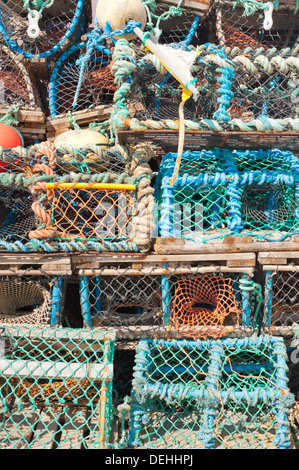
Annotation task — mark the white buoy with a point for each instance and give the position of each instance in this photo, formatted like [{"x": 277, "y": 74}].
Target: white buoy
[
  {"x": 79, "y": 138},
  {"x": 118, "y": 12}
]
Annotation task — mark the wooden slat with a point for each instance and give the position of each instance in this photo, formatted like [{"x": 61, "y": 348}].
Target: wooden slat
[
  {"x": 166, "y": 271},
  {"x": 280, "y": 257},
  {"x": 48, "y": 369},
  {"x": 20, "y": 264},
  {"x": 139, "y": 261},
  {"x": 61, "y": 122},
  {"x": 58, "y": 334},
  {"x": 143, "y": 332},
  {"x": 27, "y": 115},
  {"x": 229, "y": 244},
  {"x": 193, "y": 6},
  {"x": 195, "y": 140},
  {"x": 283, "y": 267}
]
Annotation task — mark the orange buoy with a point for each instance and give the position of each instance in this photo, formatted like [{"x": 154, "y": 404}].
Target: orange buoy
[{"x": 9, "y": 137}]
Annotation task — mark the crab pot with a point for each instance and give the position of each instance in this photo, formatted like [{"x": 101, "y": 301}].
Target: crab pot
[
  {"x": 31, "y": 299},
  {"x": 122, "y": 298},
  {"x": 100, "y": 216},
  {"x": 68, "y": 91},
  {"x": 55, "y": 388},
  {"x": 247, "y": 90},
  {"x": 229, "y": 393},
  {"x": 57, "y": 27},
  {"x": 17, "y": 81},
  {"x": 16, "y": 216},
  {"x": 230, "y": 26},
  {"x": 281, "y": 306},
  {"x": 220, "y": 192},
  {"x": 182, "y": 301}
]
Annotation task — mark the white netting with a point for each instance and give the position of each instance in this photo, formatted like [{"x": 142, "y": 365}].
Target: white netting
[{"x": 24, "y": 302}]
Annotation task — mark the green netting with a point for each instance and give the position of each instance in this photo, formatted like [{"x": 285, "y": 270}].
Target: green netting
[
  {"x": 228, "y": 393},
  {"x": 56, "y": 388},
  {"x": 223, "y": 192}
]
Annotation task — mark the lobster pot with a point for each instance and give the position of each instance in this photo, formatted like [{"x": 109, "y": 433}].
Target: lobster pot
[
  {"x": 92, "y": 213},
  {"x": 123, "y": 298},
  {"x": 197, "y": 301},
  {"x": 31, "y": 299},
  {"x": 281, "y": 306},
  {"x": 16, "y": 215},
  {"x": 93, "y": 216},
  {"x": 222, "y": 192},
  {"x": 239, "y": 25},
  {"x": 41, "y": 33},
  {"x": 17, "y": 81},
  {"x": 55, "y": 387},
  {"x": 229, "y": 393},
  {"x": 68, "y": 90},
  {"x": 178, "y": 27},
  {"x": 253, "y": 90}
]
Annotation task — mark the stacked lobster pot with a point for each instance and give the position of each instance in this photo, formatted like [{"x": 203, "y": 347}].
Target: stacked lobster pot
[{"x": 149, "y": 234}]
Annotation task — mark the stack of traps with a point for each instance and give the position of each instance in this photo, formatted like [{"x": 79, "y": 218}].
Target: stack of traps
[{"x": 229, "y": 393}]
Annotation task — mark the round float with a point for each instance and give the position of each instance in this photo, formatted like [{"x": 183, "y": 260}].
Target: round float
[
  {"x": 117, "y": 13},
  {"x": 9, "y": 137}
]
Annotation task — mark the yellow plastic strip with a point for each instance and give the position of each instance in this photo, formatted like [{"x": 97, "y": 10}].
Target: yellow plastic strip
[{"x": 117, "y": 187}]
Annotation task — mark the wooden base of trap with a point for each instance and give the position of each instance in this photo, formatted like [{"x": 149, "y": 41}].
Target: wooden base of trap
[
  {"x": 34, "y": 264},
  {"x": 148, "y": 262},
  {"x": 61, "y": 123},
  {"x": 287, "y": 332},
  {"x": 197, "y": 140},
  {"x": 285, "y": 260},
  {"x": 32, "y": 124},
  {"x": 134, "y": 333},
  {"x": 229, "y": 244}
]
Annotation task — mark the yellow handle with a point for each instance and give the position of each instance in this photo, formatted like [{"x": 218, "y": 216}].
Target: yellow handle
[{"x": 117, "y": 187}]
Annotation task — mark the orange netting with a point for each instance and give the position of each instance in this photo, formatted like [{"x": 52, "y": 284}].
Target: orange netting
[
  {"x": 201, "y": 306},
  {"x": 234, "y": 37},
  {"x": 85, "y": 213}
]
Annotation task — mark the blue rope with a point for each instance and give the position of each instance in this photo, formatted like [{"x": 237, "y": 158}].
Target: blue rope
[{"x": 95, "y": 38}]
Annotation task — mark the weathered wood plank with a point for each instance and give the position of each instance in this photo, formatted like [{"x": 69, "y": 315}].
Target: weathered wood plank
[
  {"x": 280, "y": 257},
  {"x": 229, "y": 244},
  {"x": 95, "y": 261},
  {"x": 195, "y": 140},
  {"x": 27, "y": 115},
  {"x": 47, "y": 369},
  {"x": 166, "y": 271},
  {"x": 196, "y": 6},
  {"x": 61, "y": 122}
]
